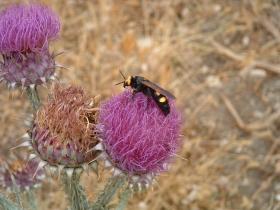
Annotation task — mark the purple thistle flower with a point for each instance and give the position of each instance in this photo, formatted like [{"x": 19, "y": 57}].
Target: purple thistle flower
[
  {"x": 25, "y": 34},
  {"x": 23, "y": 172},
  {"x": 141, "y": 143},
  {"x": 28, "y": 28}
]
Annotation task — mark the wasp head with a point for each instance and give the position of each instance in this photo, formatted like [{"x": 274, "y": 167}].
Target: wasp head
[{"x": 127, "y": 81}]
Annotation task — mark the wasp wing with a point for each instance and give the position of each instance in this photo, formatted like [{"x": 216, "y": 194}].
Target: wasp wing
[{"x": 158, "y": 89}]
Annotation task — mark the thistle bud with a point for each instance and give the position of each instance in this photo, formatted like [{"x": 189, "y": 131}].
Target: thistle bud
[{"x": 63, "y": 131}]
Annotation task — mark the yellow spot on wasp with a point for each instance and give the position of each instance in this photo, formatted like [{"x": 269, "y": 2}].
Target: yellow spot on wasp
[{"x": 162, "y": 99}]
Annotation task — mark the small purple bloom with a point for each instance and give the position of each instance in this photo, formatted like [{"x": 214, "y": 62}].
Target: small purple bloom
[
  {"x": 24, "y": 173},
  {"x": 137, "y": 140},
  {"x": 25, "y": 34}
]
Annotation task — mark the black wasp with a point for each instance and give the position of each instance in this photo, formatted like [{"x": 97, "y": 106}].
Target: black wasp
[{"x": 140, "y": 84}]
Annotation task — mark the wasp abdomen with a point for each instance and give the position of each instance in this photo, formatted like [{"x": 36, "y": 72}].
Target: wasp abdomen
[{"x": 162, "y": 102}]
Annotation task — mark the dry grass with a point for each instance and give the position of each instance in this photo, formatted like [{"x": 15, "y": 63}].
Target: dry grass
[{"x": 221, "y": 60}]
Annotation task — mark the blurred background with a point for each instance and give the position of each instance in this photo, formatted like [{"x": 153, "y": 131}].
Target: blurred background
[{"x": 219, "y": 58}]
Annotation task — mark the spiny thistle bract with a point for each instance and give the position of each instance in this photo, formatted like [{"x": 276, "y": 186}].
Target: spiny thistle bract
[
  {"x": 137, "y": 141},
  {"x": 25, "y": 34},
  {"x": 63, "y": 131},
  {"x": 23, "y": 173}
]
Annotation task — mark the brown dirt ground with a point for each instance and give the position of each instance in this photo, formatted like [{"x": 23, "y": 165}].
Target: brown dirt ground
[{"x": 221, "y": 60}]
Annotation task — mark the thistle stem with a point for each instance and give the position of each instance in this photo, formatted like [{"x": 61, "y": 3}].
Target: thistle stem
[
  {"x": 34, "y": 97},
  {"x": 16, "y": 191},
  {"x": 75, "y": 192},
  {"x": 31, "y": 198},
  {"x": 108, "y": 193},
  {"x": 124, "y": 198},
  {"x": 37, "y": 95},
  {"x": 7, "y": 204}
]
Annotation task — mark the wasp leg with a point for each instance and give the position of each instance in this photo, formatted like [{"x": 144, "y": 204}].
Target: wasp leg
[
  {"x": 148, "y": 102},
  {"x": 138, "y": 89},
  {"x": 149, "y": 94}
]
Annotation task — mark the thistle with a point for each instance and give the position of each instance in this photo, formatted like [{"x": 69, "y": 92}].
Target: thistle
[
  {"x": 62, "y": 133},
  {"x": 138, "y": 142},
  {"x": 25, "y": 34},
  {"x": 23, "y": 172}
]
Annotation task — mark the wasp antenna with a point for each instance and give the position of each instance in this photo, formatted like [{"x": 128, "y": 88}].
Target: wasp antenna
[
  {"x": 119, "y": 83},
  {"x": 122, "y": 74}
]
